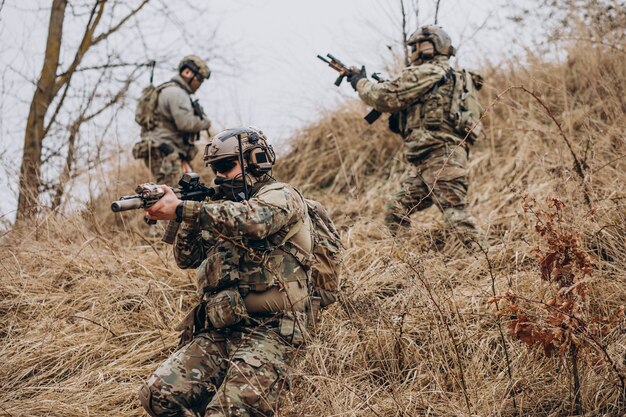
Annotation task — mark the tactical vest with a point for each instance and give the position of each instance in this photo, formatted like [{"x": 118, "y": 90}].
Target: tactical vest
[
  {"x": 450, "y": 106},
  {"x": 256, "y": 266},
  {"x": 432, "y": 110}
]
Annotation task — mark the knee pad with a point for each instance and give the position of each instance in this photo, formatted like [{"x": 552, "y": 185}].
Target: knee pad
[{"x": 145, "y": 398}]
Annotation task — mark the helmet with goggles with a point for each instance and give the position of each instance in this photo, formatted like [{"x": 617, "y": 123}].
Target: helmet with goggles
[
  {"x": 196, "y": 65},
  {"x": 247, "y": 144},
  {"x": 441, "y": 41}
]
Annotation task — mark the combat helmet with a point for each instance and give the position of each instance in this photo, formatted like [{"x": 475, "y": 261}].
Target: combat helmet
[
  {"x": 258, "y": 155},
  {"x": 437, "y": 36},
  {"x": 197, "y": 65}
]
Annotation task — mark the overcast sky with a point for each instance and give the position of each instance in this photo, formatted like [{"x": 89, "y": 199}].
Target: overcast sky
[{"x": 268, "y": 74}]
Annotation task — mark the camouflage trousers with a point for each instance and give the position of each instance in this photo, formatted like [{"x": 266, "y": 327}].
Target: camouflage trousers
[
  {"x": 241, "y": 373},
  {"x": 165, "y": 169},
  {"x": 439, "y": 177}
]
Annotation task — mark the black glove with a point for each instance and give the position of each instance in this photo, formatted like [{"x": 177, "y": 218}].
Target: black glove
[
  {"x": 355, "y": 75},
  {"x": 197, "y": 109}
]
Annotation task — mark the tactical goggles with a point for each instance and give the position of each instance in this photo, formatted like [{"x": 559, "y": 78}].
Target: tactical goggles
[{"x": 223, "y": 166}]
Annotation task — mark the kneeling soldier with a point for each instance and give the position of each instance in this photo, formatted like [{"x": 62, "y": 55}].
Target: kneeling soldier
[{"x": 251, "y": 248}]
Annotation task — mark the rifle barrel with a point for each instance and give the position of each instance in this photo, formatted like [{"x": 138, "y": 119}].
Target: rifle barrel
[
  {"x": 127, "y": 204},
  {"x": 331, "y": 56},
  {"x": 323, "y": 59}
]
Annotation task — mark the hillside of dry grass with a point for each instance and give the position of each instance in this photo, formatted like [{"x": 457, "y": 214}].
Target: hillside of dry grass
[{"x": 88, "y": 305}]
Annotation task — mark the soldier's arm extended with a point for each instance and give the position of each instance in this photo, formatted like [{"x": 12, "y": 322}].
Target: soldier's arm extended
[
  {"x": 181, "y": 110},
  {"x": 391, "y": 96},
  {"x": 257, "y": 218}
]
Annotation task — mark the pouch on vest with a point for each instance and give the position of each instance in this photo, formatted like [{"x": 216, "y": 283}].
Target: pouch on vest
[
  {"x": 433, "y": 114},
  {"x": 226, "y": 308},
  {"x": 142, "y": 149},
  {"x": 397, "y": 122},
  {"x": 219, "y": 270}
]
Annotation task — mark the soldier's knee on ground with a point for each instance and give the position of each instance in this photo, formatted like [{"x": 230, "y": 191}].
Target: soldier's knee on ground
[
  {"x": 162, "y": 403},
  {"x": 255, "y": 381},
  {"x": 253, "y": 390},
  {"x": 145, "y": 398}
]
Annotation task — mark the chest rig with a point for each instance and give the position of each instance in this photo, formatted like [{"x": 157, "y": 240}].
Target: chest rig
[
  {"x": 257, "y": 265},
  {"x": 432, "y": 110}
]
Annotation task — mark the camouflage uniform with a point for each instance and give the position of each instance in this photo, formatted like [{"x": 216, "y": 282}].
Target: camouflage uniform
[
  {"x": 177, "y": 127},
  {"x": 434, "y": 148},
  {"x": 253, "y": 249}
]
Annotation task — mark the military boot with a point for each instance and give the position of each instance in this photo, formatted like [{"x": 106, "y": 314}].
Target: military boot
[
  {"x": 396, "y": 221},
  {"x": 463, "y": 225}
]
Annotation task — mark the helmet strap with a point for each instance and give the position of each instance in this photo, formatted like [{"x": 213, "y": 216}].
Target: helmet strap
[{"x": 243, "y": 168}]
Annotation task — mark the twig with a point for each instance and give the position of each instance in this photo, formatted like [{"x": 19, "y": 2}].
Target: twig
[
  {"x": 419, "y": 276},
  {"x": 96, "y": 323},
  {"x": 499, "y": 323},
  {"x": 349, "y": 388}
]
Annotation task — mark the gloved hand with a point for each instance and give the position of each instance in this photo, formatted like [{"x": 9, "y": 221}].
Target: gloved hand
[{"x": 355, "y": 75}]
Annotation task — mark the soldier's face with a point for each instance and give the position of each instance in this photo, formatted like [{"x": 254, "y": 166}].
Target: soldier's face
[
  {"x": 193, "y": 81},
  {"x": 422, "y": 51},
  {"x": 425, "y": 50}
]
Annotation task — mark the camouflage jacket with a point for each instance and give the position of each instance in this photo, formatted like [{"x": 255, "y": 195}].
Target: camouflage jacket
[
  {"x": 245, "y": 244},
  {"x": 176, "y": 120},
  {"x": 412, "y": 93}
]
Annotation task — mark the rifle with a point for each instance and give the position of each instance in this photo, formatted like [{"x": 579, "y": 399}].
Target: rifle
[
  {"x": 344, "y": 71},
  {"x": 148, "y": 194},
  {"x": 338, "y": 66}
]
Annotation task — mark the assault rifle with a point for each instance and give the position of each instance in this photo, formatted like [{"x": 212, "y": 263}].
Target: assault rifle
[
  {"x": 344, "y": 72},
  {"x": 148, "y": 194}
]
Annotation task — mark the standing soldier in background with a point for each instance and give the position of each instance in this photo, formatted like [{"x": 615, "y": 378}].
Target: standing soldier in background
[
  {"x": 436, "y": 110},
  {"x": 171, "y": 122},
  {"x": 252, "y": 249}
]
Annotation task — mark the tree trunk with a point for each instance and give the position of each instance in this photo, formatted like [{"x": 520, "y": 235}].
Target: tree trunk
[
  {"x": 66, "y": 173},
  {"x": 30, "y": 172}
]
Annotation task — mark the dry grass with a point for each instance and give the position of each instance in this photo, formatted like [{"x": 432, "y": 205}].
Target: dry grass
[{"x": 87, "y": 307}]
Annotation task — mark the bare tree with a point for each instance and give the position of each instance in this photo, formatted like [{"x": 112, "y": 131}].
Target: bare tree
[{"x": 50, "y": 84}]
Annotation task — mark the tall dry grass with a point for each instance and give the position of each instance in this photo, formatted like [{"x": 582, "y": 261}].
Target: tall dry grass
[{"x": 88, "y": 306}]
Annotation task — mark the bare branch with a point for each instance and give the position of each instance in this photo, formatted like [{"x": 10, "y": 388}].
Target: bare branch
[
  {"x": 85, "y": 44},
  {"x": 114, "y": 28},
  {"x": 109, "y": 65},
  {"x": 405, "y": 46},
  {"x": 56, "y": 110}
]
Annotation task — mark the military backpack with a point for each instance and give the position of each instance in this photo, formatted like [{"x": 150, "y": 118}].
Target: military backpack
[
  {"x": 328, "y": 253},
  {"x": 145, "y": 113},
  {"x": 465, "y": 109}
]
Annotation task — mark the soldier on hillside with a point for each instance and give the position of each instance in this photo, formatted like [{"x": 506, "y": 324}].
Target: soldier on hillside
[
  {"x": 251, "y": 247},
  {"x": 171, "y": 122},
  {"x": 436, "y": 110}
]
